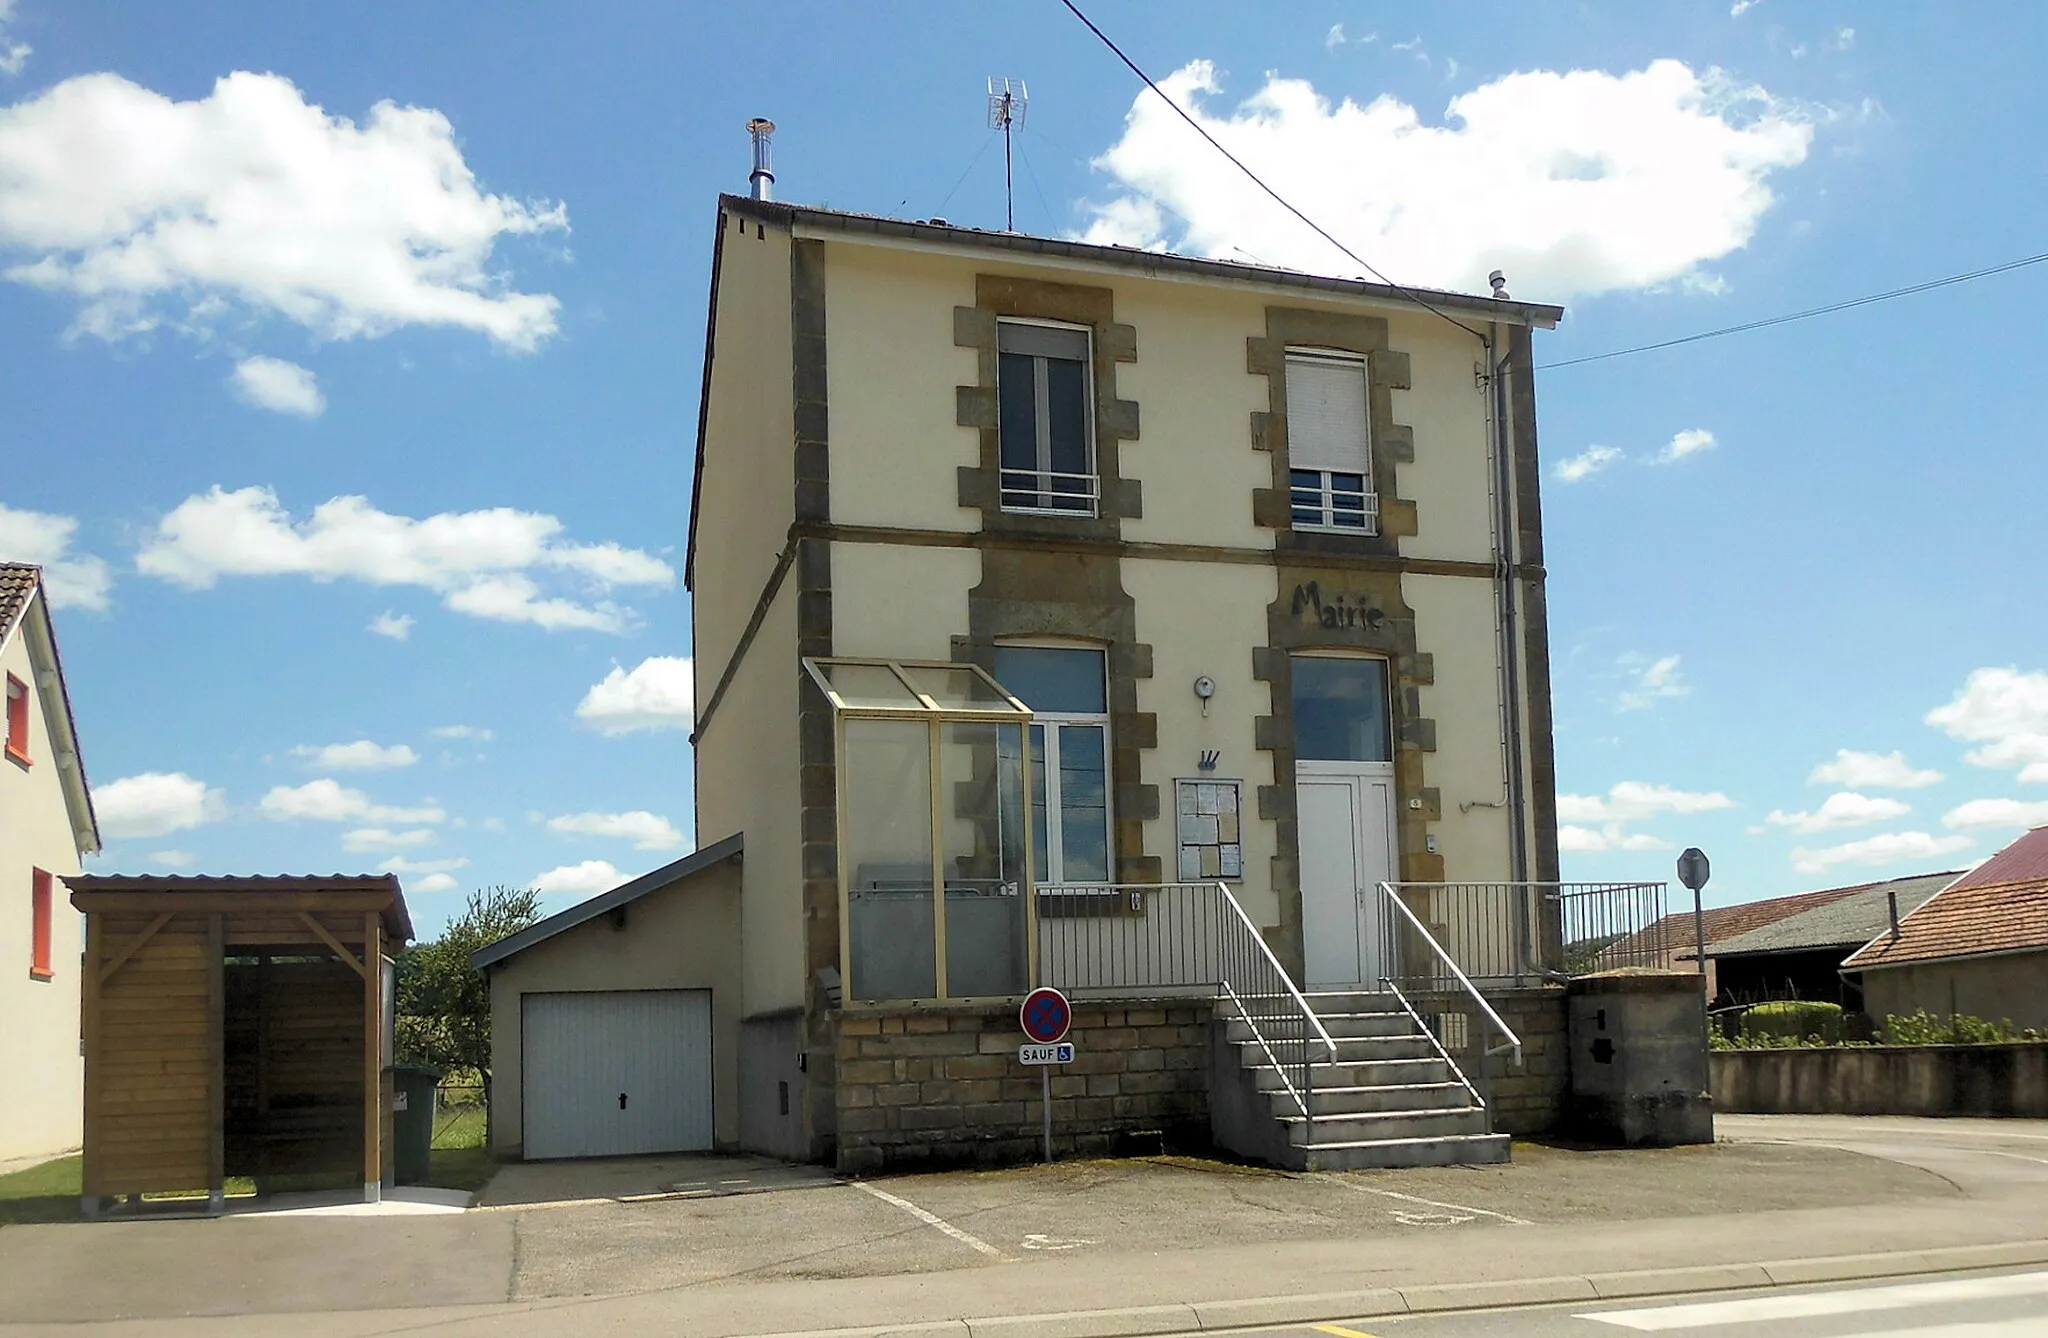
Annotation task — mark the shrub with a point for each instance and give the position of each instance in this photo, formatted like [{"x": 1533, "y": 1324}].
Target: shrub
[
  {"x": 1794, "y": 1022},
  {"x": 1924, "y": 1028}
]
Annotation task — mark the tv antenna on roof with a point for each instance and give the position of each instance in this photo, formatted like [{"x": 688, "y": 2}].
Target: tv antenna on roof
[{"x": 1008, "y": 101}]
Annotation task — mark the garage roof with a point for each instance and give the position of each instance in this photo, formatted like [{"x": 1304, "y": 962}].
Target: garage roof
[{"x": 562, "y": 921}]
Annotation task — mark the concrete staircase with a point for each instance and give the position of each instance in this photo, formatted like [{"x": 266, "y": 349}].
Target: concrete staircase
[{"x": 1387, "y": 1099}]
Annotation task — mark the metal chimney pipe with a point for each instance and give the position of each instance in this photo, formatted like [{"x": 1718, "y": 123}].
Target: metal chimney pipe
[
  {"x": 763, "y": 177},
  {"x": 1893, "y": 897}
]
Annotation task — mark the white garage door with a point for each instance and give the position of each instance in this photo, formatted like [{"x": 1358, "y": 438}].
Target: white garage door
[{"x": 613, "y": 1073}]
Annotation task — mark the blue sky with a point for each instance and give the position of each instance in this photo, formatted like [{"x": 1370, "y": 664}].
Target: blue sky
[{"x": 237, "y": 296}]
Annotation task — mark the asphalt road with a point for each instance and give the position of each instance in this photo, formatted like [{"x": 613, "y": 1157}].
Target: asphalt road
[{"x": 2012, "y": 1304}]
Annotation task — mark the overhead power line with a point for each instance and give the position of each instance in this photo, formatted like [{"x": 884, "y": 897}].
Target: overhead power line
[
  {"x": 1256, "y": 180},
  {"x": 1809, "y": 313}
]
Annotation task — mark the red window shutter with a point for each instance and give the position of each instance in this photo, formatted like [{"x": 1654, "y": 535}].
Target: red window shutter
[
  {"x": 39, "y": 930},
  {"x": 17, "y": 718}
]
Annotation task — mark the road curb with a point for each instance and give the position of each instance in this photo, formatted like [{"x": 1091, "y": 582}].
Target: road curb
[{"x": 1157, "y": 1321}]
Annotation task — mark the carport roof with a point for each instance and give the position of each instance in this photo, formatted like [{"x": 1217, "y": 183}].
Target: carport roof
[{"x": 695, "y": 862}]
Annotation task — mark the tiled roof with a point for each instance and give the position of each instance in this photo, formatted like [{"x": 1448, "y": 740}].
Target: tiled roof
[
  {"x": 1847, "y": 921},
  {"x": 1999, "y": 906},
  {"x": 17, "y": 582},
  {"x": 1676, "y": 933}
]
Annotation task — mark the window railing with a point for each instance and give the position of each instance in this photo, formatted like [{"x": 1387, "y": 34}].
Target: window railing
[
  {"x": 1326, "y": 500},
  {"x": 1051, "y": 491}
]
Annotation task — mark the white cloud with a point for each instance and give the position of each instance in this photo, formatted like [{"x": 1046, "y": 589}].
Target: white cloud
[
  {"x": 382, "y": 838},
  {"x": 1575, "y": 183},
  {"x": 284, "y": 387},
  {"x": 1872, "y": 771},
  {"x": 586, "y": 879},
  {"x": 2007, "y": 712},
  {"x": 13, "y": 55},
  {"x": 1741, "y": 7},
  {"x": 462, "y": 732},
  {"x": 362, "y": 755},
  {"x": 1844, "y": 809},
  {"x": 435, "y": 882},
  {"x": 1885, "y": 848},
  {"x": 253, "y": 201},
  {"x": 1691, "y": 441},
  {"x": 1844, "y": 38},
  {"x": 1610, "y": 837},
  {"x": 397, "y": 626},
  {"x": 2022, "y": 813},
  {"x": 327, "y": 800},
  {"x": 155, "y": 803},
  {"x": 1650, "y": 681},
  {"x": 1333, "y": 38},
  {"x": 45, "y": 540},
  {"x": 1630, "y": 801},
  {"x": 173, "y": 859},
  {"x": 647, "y": 831},
  {"x": 475, "y": 560},
  {"x": 657, "y": 694},
  {"x": 1587, "y": 463},
  {"x": 400, "y": 864}
]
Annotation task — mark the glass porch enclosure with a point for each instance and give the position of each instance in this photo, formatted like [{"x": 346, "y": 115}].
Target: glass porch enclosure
[{"x": 934, "y": 837}]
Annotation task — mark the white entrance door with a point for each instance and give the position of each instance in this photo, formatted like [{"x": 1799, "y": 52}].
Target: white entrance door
[
  {"x": 1345, "y": 819},
  {"x": 617, "y": 1072}
]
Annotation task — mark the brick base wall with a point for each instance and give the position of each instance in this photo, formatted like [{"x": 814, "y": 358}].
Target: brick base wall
[{"x": 940, "y": 1085}]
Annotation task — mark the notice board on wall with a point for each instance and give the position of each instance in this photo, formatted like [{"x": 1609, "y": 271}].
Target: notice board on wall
[{"x": 1208, "y": 816}]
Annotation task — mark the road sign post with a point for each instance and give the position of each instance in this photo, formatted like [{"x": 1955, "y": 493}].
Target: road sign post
[
  {"x": 1046, "y": 1017},
  {"x": 1693, "y": 871}
]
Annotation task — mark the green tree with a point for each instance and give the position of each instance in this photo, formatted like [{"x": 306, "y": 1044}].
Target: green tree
[{"x": 444, "y": 1005}]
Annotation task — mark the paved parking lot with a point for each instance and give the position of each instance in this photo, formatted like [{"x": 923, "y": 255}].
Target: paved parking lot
[{"x": 556, "y": 1235}]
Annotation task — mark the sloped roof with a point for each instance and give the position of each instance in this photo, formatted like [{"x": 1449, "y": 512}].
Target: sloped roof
[
  {"x": 1999, "y": 906},
  {"x": 253, "y": 885},
  {"x": 582, "y": 911},
  {"x": 1847, "y": 921},
  {"x": 20, "y": 584},
  {"x": 1676, "y": 934}
]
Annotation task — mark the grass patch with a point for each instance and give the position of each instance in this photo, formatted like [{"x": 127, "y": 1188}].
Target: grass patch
[
  {"x": 459, "y": 1128},
  {"x": 45, "y": 1193},
  {"x": 469, "y": 1168}
]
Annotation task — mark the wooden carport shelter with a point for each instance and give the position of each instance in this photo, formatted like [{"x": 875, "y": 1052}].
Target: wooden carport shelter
[{"x": 236, "y": 1027}]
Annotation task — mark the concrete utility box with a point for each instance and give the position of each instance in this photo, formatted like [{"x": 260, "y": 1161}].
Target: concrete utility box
[{"x": 1639, "y": 1059}]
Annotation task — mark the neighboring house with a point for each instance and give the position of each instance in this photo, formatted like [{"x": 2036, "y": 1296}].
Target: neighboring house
[
  {"x": 1800, "y": 955},
  {"x": 46, "y": 825},
  {"x": 1051, "y": 602},
  {"x": 1672, "y": 941},
  {"x": 1977, "y": 948}
]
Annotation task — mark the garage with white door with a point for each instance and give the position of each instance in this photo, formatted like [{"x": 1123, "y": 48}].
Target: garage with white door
[
  {"x": 614, "y": 1073},
  {"x": 615, "y": 1023}
]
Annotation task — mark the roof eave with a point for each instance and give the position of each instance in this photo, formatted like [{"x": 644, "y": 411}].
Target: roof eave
[
  {"x": 40, "y": 633},
  {"x": 704, "y": 400},
  {"x": 1539, "y": 315},
  {"x": 696, "y": 862}
]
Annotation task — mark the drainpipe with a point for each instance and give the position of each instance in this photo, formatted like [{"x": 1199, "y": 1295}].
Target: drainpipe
[{"x": 1505, "y": 558}]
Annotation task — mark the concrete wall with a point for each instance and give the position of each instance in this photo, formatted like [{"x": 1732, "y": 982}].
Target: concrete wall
[
  {"x": 2009, "y": 1080},
  {"x": 772, "y": 1086},
  {"x": 42, "y": 1098},
  {"x": 1639, "y": 1060},
  {"x": 2013, "y": 986},
  {"x": 685, "y": 936},
  {"x": 939, "y": 1086}
]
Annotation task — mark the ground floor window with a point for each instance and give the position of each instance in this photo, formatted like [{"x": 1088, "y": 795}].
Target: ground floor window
[{"x": 1067, "y": 689}]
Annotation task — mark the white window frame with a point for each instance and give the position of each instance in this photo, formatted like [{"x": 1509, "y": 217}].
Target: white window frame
[
  {"x": 1052, "y": 857},
  {"x": 1323, "y": 494},
  {"x": 1037, "y": 480}
]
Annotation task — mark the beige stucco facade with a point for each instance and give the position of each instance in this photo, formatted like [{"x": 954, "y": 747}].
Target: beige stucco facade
[
  {"x": 41, "y": 827},
  {"x": 2003, "y": 987},
  {"x": 681, "y": 937}
]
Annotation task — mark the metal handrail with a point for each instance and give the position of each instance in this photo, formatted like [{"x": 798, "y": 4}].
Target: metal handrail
[
  {"x": 1436, "y": 1043},
  {"x": 1514, "y": 1043},
  {"x": 1322, "y": 1032}
]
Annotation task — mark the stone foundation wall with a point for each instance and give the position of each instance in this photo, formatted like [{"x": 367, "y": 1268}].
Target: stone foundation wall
[
  {"x": 1531, "y": 1099},
  {"x": 1991, "y": 1080},
  {"x": 940, "y": 1085}
]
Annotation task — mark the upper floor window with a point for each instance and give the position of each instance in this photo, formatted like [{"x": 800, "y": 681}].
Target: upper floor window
[
  {"x": 39, "y": 911},
  {"x": 1329, "y": 444},
  {"x": 17, "y": 719},
  {"x": 1045, "y": 421}
]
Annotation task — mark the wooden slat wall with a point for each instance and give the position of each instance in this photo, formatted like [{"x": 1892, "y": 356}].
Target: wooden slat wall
[{"x": 150, "y": 1072}]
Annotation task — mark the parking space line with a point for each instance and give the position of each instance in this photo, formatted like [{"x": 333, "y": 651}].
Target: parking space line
[
  {"x": 1509, "y": 1218},
  {"x": 934, "y": 1220},
  {"x": 1339, "y": 1330}
]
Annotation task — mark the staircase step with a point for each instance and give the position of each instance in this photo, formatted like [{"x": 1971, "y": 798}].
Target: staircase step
[
  {"x": 1379, "y": 1126},
  {"x": 1388, "y": 1153},
  {"x": 1397, "y": 1096},
  {"x": 1364, "y": 1073},
  {"x": 1352, "y": 1001},
  {"x": 1341, "y": 1026}
]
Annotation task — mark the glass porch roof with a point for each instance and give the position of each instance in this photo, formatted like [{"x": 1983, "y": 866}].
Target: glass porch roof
[{"x": 912, "y": 688}]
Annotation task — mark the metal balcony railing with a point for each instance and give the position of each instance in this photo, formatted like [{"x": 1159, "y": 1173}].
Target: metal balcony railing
[{"x": 1153, "y": 940}]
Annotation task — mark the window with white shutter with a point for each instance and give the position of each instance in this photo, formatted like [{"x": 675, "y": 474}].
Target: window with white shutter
[{"x": 1329, "y": 444}]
